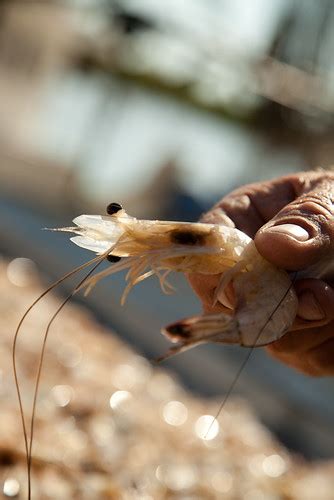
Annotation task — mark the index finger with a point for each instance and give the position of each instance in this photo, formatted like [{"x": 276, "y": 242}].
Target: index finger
[{"x": 252, "y": 205}]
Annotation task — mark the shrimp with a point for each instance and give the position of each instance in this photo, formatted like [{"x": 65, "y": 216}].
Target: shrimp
[{"x": 263, "y": 306}]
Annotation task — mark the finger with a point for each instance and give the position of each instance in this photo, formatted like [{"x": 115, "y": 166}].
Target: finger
[
  {"x": 301, "y": 349},
  {"x": 302, "y": 340},
  {"x": 217, "y": 216},
  {"x": 302, "y": 233},
  {"x": 315, "y": 303},
  {"x": 315, "y": 318},
  {"x": 321, "y": 359},
  {"x": 297, "y": 361},
  {"x": 204, "y": 285},
  {"x": 253, "y": 205}
]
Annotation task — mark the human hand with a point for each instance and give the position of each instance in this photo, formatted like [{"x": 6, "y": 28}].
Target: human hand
[{"x": 292, "y": 222}]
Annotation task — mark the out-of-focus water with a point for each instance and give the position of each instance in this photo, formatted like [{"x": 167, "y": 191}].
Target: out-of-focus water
[{"x": 118, "y": 137}]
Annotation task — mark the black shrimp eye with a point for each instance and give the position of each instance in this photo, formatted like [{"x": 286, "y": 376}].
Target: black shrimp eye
[
  {"x": 113, "y": 208},
  {"x": 113, "y": 258}
]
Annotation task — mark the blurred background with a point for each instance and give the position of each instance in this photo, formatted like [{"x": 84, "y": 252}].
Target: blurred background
[{"x": 165, "y": 110}]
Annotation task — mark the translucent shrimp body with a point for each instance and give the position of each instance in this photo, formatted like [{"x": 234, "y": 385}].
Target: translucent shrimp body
[{"x": 264, "y": 304}]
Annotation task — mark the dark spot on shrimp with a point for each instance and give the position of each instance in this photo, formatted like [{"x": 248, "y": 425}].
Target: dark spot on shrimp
[
  {"x": 113, "y": 208},
  {"x": 187, "y": 237},
  {"x": 178, "y": 329},
  {"x": 7, "y": 459},
  {"x": 113, "y": 258}
]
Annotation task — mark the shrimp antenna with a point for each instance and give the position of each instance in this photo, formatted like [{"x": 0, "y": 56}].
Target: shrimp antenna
[
  {"x": 28, "y": 447},
  {"x": 245, "y": 361}
]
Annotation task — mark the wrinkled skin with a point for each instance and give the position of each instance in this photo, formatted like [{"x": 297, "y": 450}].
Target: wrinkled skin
[{"x": 292, "y": 222}]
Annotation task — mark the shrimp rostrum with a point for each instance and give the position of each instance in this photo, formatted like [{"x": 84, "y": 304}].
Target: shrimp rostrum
[{"x": 261, "y": 304}]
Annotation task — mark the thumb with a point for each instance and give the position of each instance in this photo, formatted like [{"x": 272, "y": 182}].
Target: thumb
[{"x": 302, "y": 233}]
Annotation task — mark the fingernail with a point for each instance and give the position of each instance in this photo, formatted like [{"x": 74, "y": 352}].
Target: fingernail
[
  {"x": 292, "y": 230},
  {"x": 308, "y": 307}
]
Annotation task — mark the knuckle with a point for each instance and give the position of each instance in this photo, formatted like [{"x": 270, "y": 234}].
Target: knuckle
[
  {"x": 311, "y": 212},
  {"x": 310, "y": 206},
  {"x": 316, "y": 204},
  {"x": 216, "y": 216},
  {"x": 240, "y": 202}
]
